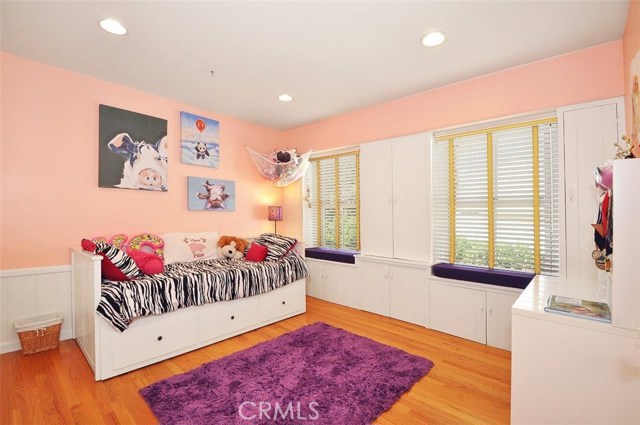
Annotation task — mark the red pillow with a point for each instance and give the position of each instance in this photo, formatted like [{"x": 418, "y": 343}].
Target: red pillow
[
  {"x": 148, "y": 262},
  {"x": 256, "y": 253}
]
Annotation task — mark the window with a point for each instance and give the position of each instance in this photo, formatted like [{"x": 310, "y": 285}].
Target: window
[
  {"x": 332, "y": 202},
  {"x": 495, "y": 197}
]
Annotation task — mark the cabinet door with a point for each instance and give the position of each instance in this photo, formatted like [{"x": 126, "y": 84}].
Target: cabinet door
[
  {"x": 499, "y": 319},
  {"x": 332, "y": 283},
  {"x": 376, "y": 232},
  {"x": 411, "y": 213},
  {"x": 589, "y": 132},
  {"x": 458, "y": 311},
  {"x": 374, "y": 285},
  {"x": 315, "y": 278},
  {"x": 341, "y": 284},
  {"x": 408, "y": 296}
]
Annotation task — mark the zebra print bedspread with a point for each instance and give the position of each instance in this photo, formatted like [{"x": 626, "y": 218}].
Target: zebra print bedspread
[{"x": 195, "y": 283}]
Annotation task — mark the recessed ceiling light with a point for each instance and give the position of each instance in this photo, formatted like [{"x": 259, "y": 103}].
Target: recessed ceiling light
[
  {"x": 433, "y": 39},
  {"x": 112, "y": 26},
  {"x": 285, "y": 98}
]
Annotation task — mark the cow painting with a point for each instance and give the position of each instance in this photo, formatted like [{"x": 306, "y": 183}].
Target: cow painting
[
  {"x": 146, "y": 164},
  {"x": 215, "y": 195},
  {"x": 205, "y": 194},
  {"x": 132, "y": 150}
]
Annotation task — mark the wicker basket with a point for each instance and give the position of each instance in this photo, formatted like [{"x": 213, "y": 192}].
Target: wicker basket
[{"x": 39, "y": 333}]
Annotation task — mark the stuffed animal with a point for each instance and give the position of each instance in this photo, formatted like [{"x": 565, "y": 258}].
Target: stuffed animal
[
  {"x": 283, "y": 156},
  {"x": 232, "y": 247}
]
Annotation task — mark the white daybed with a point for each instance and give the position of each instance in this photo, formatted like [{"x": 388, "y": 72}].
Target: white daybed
[{"x": 155, "y": 338}]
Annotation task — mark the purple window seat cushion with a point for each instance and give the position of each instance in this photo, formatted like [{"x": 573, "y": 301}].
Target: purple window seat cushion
[
  {"x": 331, "y": 254},
  {"x": 507, "y": 278}
]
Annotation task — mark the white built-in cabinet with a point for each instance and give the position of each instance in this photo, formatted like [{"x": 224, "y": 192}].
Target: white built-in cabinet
[
  {"x": 477, "y": 312},
  {"x": 499, "y": 318},
  {"x": 587, "y": 133},
  {"x": 394, "y": 198},
  {"x": 394, "y": 269},
  {"x": 625, "y": 286},
  {"x": 393, "y": 289},
  {"x": 398, "y": 289},
  {"x": 458, "y": 311},
  {"x": 374, "y": 278},
  {"x": 409, "y": 294},
  {"x": 568, "y": 369},
  {"x": 334, "y": 282}
]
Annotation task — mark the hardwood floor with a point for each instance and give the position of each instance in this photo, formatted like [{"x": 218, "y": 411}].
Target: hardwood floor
[{"x": 469, "y": 384}]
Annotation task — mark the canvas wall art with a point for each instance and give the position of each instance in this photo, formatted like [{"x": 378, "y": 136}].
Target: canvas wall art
[
  {"x": 200, "y": 143},
  {"x": 132, "y": 150},
  {"x": 211, "y": 195}
]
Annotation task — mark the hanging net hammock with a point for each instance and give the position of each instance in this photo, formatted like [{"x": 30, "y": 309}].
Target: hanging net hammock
[{"x": 280, "y": 174}]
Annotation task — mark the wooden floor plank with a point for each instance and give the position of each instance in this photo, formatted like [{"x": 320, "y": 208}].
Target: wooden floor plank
[{"x": 469, "y": 384}]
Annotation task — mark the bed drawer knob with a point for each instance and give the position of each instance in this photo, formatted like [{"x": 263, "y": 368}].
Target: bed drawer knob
[
  {"x": 160, "y": 338},
  {"x": 233, "y": 317},
  {"x": 284, "y": 302}
]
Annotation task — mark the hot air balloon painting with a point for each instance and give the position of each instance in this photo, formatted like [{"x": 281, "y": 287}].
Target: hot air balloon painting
[{"x": 200, "y": 140}]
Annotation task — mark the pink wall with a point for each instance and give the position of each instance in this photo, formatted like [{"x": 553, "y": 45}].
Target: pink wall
[
  {"x": 631, "y": 47},
  {"x": 49, "y": 158},
  {"x": 590, "y": 74},
  {"x": 49, "y": 154}
]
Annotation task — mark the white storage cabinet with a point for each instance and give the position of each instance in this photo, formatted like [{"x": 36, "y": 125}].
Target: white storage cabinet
[
  {"x": 334, "y": 282},
  {"x": 473, "y": 311},
  {"x": 394, "y": 198},
  {"x": 394, "y": 288}
]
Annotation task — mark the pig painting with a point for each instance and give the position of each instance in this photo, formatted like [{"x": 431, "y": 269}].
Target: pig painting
[
  {"x": 133, "y": 150},
  {"x": 146, "y": 165}
]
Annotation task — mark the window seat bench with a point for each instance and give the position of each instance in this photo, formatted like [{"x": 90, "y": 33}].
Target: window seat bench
[
  {"x": 331, "y": 254},
  {"x": 505, "y": 278}
]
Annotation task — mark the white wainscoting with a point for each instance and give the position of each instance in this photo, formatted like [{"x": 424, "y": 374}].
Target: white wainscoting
[{"x": 32, "y": 292}]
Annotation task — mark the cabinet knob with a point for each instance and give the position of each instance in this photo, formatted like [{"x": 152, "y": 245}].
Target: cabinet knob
[
  {"x": 284, "y": 302},
  {"x": 160, "y": 338},
  {"x": 233, "y": 317}
]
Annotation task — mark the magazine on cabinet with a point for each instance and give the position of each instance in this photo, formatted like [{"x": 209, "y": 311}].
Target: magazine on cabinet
[{"x": 576, "y": 307}]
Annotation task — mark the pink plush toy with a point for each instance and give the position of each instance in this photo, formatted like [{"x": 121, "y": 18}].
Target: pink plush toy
[{"x": 148, "y": 262}]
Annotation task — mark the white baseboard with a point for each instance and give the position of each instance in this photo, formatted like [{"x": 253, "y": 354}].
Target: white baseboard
[{"x": 33, "y": 292}]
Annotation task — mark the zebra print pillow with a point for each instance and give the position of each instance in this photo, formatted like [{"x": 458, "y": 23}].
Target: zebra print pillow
[
  {"x": 119, "y": 259},
  {"x": 277, "y": 245}
]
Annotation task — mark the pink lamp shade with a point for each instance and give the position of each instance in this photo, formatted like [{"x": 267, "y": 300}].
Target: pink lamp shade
[{"x": 275, "y": 213}]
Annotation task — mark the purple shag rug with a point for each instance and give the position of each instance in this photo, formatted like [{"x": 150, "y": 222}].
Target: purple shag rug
[{"x": 317, "y": 374}]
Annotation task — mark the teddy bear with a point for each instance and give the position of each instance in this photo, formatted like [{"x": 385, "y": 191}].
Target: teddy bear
[{"x": 232, "y": 247}]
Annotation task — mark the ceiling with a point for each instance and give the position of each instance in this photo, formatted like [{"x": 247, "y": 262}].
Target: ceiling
[{"x": 331, "y": 56}]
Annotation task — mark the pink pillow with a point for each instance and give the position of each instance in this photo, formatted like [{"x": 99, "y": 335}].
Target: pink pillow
[
  {"x": 148, "y": 262},
  {"x": 256, "y": 253}
]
